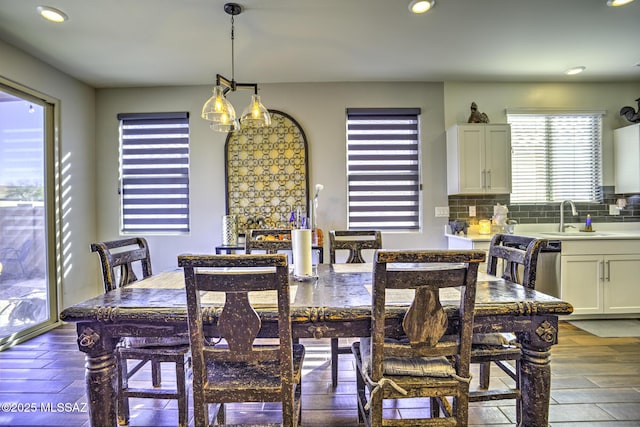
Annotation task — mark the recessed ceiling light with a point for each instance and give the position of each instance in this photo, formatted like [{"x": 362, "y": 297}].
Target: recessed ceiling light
[
  {"x": 616, "y": 3},
  {"x": 575, "y": 70},
  {"x": 52, "y": 14},
  {"x": 421, "y": 6}
]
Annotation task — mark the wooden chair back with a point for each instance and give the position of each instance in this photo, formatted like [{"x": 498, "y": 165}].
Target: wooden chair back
[
  {"x": 269, "y": 240},
  {"x": 519, "y": 257},
  {"x": 237, "y": 324},
  {"x": 425, "y": 322},
  {"x": 355, "y": 241},
  {"x": 117, "y": 259}
]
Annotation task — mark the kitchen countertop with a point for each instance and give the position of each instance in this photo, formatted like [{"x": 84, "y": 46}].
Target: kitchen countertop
[{"x": 605, "y": 231}]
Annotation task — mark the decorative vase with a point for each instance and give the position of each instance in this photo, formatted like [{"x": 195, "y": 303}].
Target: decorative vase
[{"x": 229, "y": 230}]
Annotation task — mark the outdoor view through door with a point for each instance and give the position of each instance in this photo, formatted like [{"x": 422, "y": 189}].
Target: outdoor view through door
[{"x": 24, "y": 291}]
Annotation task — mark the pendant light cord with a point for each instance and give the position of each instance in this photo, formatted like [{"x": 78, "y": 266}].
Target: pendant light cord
[{"x": 233, "y": 77}]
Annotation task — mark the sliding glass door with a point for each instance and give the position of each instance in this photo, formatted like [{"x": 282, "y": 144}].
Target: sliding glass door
[{"x": 27, "y": 285}]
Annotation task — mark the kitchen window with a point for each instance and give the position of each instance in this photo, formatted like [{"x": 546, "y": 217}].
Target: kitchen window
[
  {"x": 383, "y": 168},
  {"x": 154, "y": 173},
  {"x": 556, "y": 156}
]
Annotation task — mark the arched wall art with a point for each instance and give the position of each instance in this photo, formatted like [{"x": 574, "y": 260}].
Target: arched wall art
[{"x": 267, "y": 173}]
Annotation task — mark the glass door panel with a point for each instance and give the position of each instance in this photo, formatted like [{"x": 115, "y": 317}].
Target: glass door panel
[{"x": 26, "y": 296}]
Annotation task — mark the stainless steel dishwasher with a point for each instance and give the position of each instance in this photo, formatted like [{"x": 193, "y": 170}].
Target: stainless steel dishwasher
[{"x": 548, "y": 272}]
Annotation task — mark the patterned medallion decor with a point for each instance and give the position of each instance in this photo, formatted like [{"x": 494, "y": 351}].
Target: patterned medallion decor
[{"x": 267, "y": 173}]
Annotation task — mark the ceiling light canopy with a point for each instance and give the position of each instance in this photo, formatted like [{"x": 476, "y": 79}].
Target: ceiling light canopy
[
  {"x": 616, "y": 3},
  {"x": 219, "y": 111},
  {"x": 421, "y": 6},
  {"x": 52, "y": 14},
  {"x": 575, "y": 70}
]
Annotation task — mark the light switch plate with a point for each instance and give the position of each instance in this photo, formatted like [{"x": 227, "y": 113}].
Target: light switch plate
[
  {"x": 442, "y": 211},
  {"x": 614, "y": 210},
  {"x": 472, "y": 211}
]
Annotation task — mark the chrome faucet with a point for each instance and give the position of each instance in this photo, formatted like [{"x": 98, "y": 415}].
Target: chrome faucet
[{"x": 574, "y": 212}]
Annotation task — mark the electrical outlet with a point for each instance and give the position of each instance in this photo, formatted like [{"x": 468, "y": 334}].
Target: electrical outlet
[
  {"x": 472, "y": 211},
  {"x": 614, "y": 210},
  {"x": 442, "y": 211}
]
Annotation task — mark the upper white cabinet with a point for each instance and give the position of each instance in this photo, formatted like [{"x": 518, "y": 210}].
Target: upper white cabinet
[
  {"x": 626, "y": 143},
  {"x": 479, "y": 159}
]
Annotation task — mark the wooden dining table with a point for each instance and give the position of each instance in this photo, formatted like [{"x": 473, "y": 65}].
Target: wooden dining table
[{"x": 336, "y": 304}]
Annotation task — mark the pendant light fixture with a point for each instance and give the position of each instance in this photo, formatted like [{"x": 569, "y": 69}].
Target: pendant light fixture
[{"x": 219, "y": 111}]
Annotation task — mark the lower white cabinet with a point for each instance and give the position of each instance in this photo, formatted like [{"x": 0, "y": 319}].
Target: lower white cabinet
[{"x": 601, "y": 283}]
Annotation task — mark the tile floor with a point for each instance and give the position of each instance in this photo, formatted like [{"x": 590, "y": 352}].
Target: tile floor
[{"x": 595, "y": 383}]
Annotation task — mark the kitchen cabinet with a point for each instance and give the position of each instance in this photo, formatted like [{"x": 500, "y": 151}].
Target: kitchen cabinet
[
  {"x": 479, "y": 159},
  {"x": 601, "y": 277},
  {"x": 626, "y": 147}
]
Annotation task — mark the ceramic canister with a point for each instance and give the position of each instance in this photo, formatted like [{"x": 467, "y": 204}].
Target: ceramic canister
[{"x": 229, "y": 230}]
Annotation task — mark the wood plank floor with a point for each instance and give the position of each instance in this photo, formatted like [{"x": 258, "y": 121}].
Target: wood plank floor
[{"x": 595, "y": 383}]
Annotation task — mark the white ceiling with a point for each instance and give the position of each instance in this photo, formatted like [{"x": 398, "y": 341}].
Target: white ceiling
[{"x": 119, "y": 43}]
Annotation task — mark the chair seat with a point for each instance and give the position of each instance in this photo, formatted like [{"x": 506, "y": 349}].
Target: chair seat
[
  {"x": 152, "y": 342},
  {"x": 495, "y": 339},
  {"x": 160, "y": 354},
  {"x": 407, "y": 366},
  {"x": 258, "y": 376}
]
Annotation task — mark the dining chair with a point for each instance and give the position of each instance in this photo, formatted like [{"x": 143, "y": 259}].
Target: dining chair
[
  {"x": 229, "y": 364},
  {"x": 355, "y": 242},
  {"x": 429, "y": 356},
  {"x": 18, "y": 257},
  {"x": 513, "y": 258},
  {"x": 268, "y": 240},
  {"x": 120, "y": 260}
]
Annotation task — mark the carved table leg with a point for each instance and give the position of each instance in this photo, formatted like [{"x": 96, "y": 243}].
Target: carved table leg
[
  {"x": 100, "y": 375},
  {"x": 535, "y": 374}
]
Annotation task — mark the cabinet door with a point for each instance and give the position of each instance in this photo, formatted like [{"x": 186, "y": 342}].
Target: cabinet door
[
  {"x": 626, "y": 149},
  {"x": 621, "y": 286},
  {"x": 581, "y": 283},
  {"x": 471, "y": 142},
  {"x": 498, "y": 160}
]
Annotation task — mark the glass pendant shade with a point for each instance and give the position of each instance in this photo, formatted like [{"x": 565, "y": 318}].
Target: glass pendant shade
[
  {"x": 255, "y": 115},
  {"x": 219, "y": 112}
]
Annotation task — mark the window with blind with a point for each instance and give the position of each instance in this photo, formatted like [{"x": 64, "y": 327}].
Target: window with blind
[
  {"x": 383, "y": 168},
  {"x": 556, "y": 157},
  {"x": 154, "y": 173}
]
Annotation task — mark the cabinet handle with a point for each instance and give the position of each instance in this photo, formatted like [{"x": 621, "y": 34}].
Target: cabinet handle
[
  {"x": 483, "y": 179},
  {"x": 608, "y": 271},
  {"x": 489, "y": 178},
  {"x": 601, "y": 271}
]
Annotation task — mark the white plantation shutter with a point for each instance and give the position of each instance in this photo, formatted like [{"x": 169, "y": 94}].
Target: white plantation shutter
[
  {"x": 383, "y": 168},
  {"x": 556, "y": 157},
  {"x": 154, "y": 172}
]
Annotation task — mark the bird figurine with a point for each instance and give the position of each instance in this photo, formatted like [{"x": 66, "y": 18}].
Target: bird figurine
[
  {"x": 630, "y": 114},
  {"x": 476, "y": 116}
]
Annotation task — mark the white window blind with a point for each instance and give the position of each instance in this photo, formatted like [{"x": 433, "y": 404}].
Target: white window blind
[
  {"x": 383, "y": 168},
  {"x": 154, "y": 172},
  {"x": 556, "y": 157}
]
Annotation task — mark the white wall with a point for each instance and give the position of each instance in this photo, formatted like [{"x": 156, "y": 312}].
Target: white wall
[
  {"x": 76, "y": 131},
  {"x": 494, "y": 98},
  {"x": 320, "y": 111}
]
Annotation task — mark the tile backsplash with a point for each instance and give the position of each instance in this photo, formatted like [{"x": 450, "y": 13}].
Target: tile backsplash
[{"x": 545, "y": 213}]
